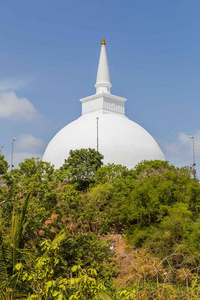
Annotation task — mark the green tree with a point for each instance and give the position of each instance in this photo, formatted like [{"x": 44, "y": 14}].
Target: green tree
[
  {"x": 89, "y": 251},
  {"x": 3, "y": 165},
  {"x": 38, "y": 176},
  {"x": 12, "y": 252},
  {"x": 152, "y": 167},
  {"x": 45, "y": 283},
  {"x": 110, "y": 172},
  {"x": 81, "y": 166}
]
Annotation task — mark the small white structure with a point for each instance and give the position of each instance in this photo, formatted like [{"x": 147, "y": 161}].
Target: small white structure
[{"x": 104, "y": 126}]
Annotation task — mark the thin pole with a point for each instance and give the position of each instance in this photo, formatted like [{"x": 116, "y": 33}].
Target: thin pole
[
  {"x": 97, "y": 134},
  {"x": 194, "y": 164},
  {"x": 1, "y": 150},
  {"x": 12, "y": 166}
]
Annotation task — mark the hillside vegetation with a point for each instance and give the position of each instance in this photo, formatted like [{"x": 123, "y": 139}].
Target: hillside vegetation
[{"x": 88, "y": 231}]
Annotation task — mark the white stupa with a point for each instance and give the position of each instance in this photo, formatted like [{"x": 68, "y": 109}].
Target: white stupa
[{"x": 103, "y": 126}]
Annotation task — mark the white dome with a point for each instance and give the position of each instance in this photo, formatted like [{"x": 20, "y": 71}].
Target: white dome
[{"x": 121, "y": 141}]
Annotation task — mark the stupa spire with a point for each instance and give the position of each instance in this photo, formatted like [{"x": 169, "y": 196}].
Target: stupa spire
[{"x": 103, "y": 83}]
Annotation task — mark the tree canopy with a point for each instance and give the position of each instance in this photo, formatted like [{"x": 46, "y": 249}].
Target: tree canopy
[
  {"x": 56, "y": 229},
  {"x": 81, "y": 166},
  {"x": 3, "y": 165}
]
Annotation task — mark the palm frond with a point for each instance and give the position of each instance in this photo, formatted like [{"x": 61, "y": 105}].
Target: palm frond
[
  {"x": 3, "y": 261},
  {"x": 14, "y": 237},
  {"x": 23, "y": 215},
  {"x": 102, "y": 295}
]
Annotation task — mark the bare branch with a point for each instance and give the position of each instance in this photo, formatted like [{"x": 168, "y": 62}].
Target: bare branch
[{"x": 4, "y": 201}]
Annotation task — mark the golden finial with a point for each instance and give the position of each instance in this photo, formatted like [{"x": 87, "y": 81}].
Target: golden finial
[{"x": 103, "y": 42}]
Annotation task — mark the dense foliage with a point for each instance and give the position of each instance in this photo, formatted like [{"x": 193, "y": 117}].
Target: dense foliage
[{"x": 56, "y": 228}]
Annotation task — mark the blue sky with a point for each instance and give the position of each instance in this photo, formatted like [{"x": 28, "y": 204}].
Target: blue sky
[{"x": 49, "y": 53}]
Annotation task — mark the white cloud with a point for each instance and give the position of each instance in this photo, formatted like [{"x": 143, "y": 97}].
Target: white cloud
[
  {"x": 29, "y": 142},
  {"x": 8, "y": 84},
  {"x": 180, "y": 152},
  {"x": 20, "y": 156},
  {"x": 11, "y": 106},
  {"x": 183, "y": 146}
]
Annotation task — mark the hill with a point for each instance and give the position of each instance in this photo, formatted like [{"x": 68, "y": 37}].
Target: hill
[{"x": 87, "y": 231}]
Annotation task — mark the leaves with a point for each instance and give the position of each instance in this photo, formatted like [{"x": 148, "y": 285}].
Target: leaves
[
  {"x": 3, "y": 165},
  {"x": 81, "y": 166},
  {"x": 51, "y": 243}
]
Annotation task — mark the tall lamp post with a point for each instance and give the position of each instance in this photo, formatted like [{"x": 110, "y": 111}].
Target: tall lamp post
[
  {"x": 1, "y": 150},
  {"x": 97, "y": 133},
  {"x": 194, "y": 164},
  {"x": 12, "y": 166}
]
